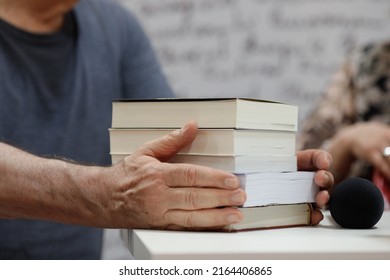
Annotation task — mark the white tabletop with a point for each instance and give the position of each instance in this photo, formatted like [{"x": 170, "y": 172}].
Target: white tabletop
[{"x": 326, "y": 241}]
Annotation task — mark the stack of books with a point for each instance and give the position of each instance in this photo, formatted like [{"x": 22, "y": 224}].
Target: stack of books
[{"x": 254, "y": 139}]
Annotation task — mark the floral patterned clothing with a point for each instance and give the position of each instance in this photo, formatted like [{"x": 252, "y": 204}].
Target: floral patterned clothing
[{"x": 358, "y": 92}]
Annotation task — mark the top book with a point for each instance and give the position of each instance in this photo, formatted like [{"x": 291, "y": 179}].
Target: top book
[{"x": 237, "y": 113}]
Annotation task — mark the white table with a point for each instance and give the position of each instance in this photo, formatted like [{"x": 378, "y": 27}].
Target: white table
[{"x": 326, "y": 241}]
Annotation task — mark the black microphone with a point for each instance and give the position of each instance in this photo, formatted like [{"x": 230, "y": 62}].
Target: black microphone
[{"x": 356, "y": 203}]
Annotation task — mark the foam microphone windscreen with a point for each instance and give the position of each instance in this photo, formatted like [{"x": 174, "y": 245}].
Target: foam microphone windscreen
[{"x": 356, "y": 203}]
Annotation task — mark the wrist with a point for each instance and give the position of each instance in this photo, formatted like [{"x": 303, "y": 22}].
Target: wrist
[{"x": 87, "y": 194}]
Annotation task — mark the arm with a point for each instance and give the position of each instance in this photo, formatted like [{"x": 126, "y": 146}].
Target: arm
[
  {"x": 34, "y": 187},
  {"x": 139, "y": 192}
]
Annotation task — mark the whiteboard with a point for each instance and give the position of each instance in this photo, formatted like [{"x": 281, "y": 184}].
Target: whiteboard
[{"x": 283, "y": 50}]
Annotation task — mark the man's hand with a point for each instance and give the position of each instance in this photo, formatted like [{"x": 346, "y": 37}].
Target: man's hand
[
  {"x": 320, "y": 161},
  {"x": 149, "y": 193}
]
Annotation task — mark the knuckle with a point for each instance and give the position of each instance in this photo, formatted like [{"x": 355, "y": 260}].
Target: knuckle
[
  {"x": 192, "y": 199},
  {"x": 190, "y": 174},
  {"x": 189, "y": 220},
  {"x": 130, "y": 164},
  {"x": 155, "y": 172}
]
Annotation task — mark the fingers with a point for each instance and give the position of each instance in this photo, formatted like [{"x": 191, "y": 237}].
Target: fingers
[
  {"x": 320, "y": 161},
  {"x": 187, "y": 175},
  {"x": 202, "y": 208},
  {"x": 179, "y": 195},
  {"x": 381, "y": 163},
  {"x": 322, "y": 199},
  {"x": 316, "y": 217},
  {"x": 198, "y": 198},
  {"x": 202, "y": 219},
  {"x": 167, "y": 146},
  {"x": 309, "y": 160},
  {"x": 324, "y": 179}
]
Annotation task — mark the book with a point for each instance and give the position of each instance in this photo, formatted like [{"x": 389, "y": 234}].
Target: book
[
  {"x": 268, "y": 188},
  {"x": 233, "y": 164},
  {"x": 273, "y": 216},
  {"x": 239, "y": 113},
  {"x": 222, "y": 142}
]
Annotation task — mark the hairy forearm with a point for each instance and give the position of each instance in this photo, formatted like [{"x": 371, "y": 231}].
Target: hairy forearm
[{"x": 49, "y": 189}]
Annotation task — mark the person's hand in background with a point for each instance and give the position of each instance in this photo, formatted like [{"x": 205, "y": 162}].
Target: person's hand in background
[{"x": 361, "y": 141}]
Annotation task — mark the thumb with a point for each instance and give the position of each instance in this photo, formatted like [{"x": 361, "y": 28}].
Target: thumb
[{"x": 169, "y": 145}]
